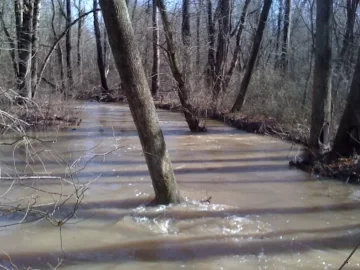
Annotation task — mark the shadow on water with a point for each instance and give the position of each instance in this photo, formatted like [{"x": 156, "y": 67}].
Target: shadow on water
[{"x": 191, "y": 248}]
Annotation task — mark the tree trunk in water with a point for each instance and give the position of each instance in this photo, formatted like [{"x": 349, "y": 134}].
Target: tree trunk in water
[
  {"x": 24, "y": 79},
  {"x": 286, "y": 35},
  {"x": 211, "y": 42},
  {"x": 183, "y": 90},
  {"x": 130, "y": 68},
  {"x": 351, "y": 7},
  {"x": 278, "y": 33},
  {"x": 68, "y": 44},
  {"x": 222, "y": 48},
  {"x": 35, "y": 45},
  {"x": 348, "y": 135},
  {"x": 155, "y": 72},
  {"x": 321, "y": 101},
  {"x": 255, "y": 50},
  {"x": 99, "y": 49},
  {"x": 237, "y": 50}
]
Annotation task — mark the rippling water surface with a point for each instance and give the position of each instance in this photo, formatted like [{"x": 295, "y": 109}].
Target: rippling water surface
[{"x": 262, "y": 214}]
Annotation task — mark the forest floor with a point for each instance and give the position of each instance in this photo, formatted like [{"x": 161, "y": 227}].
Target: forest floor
[{"x": 344, "y": 169}]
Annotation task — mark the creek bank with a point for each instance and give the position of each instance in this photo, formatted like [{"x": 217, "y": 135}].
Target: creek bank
[{"x": 344, "y": 169}]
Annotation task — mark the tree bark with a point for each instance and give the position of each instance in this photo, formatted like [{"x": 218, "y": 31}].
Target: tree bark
[
  {"x": 286, "y": 35},
  {"x": 198, "y": 20},
  {"x": 35, "y": 45},
  {"x": 155, "y": 71},
  {"x": 351, "y": 7},
  {"x": 222, "y": 48},
  {"x": 68, "y": 44},
  {"x": 24, "y": 45},
  {"x": 237, "y": 50},
  {"x": 321, "y": 101},
  {"x": 99, "y": 49},
  {"x": 183, "y": 90},
  {"x": 278, "y": 33},
  {"x": 130, "y": 68},
  {"x": 58, "y": 50},
  {"x": 240, "y": 100},
  {"x": 79, "y": 35},
  {"x": 347, "y": 140},
  {"x": 211, "y": 42}
]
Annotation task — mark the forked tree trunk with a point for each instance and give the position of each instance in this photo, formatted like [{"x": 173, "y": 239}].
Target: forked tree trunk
[
  {"x": 286, "y": 35},
  {"x": 321, "y": 101},
  {"x": 130, "y": 68},
  {"x": 99, "y": 50},
  {"x": 155, "y": 71},
  {"x": 255, "y": 50},
  {"x": 183, "y": 90},
  {"x": 348, "y": 135}
]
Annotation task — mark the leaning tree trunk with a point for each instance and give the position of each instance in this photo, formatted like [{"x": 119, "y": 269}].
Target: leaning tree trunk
[
  {"x": 130, "y": 68},
  {"x": 321, "y": 101},
  {"x": 183, "y": 90},
  {"x": 99, "y": 49},
  {"x": 286, "y": 36},
  {"x": 35, "y": 45},
  {"x": 24, "y": 47},
  {"x": 255, "y": 49},
  {"x": 348, "y": 135},
  {"x": 68, "y": 44},
  {"x": 155, "y": 72}
]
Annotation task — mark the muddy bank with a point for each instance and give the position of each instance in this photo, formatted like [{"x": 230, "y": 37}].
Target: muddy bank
[
  {"x": 253, "y": 124},
  {"x": 344, "y": 169}
]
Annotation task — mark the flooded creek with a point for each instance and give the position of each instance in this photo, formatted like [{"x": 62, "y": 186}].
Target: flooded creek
[{"x": 262, "y": 215}]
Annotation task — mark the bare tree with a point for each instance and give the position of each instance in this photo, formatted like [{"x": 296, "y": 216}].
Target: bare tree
[
  {"x": 321, "y": 102},
  {"x": 286, "y": 35},
  {"x": 99, "y": 49},
  {"x": 79, "y": 37},
  {"x": 255, "y": 50},
  {"x": 35, "y": 45},
  {"x": 183, "y": 88},
  {"x": 211, "y": 45},
  {"x": 222, "y": 47},
  {"x": 25, "y": 13},
  {"x": 237, "y": 50},
  {"x": 155, "y": 71},
  {"x": 130, "y": 68},
  {"x": 68, "y": 44},
  {"x": 278, "y": 32},
  {"x": 351, "y": 7},
  {"x": 347, "y": 140}
]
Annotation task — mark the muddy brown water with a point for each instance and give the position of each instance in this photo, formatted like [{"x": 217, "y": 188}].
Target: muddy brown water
[{"x": 262, "y": 214}]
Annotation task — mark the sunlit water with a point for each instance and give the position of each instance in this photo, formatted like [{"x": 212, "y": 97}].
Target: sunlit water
[{"x": 262, "y": 214}]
